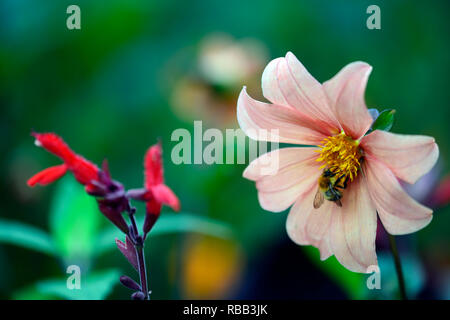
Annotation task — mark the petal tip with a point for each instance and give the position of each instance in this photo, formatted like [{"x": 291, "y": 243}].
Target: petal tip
[
  {"x": 248, "y": 173},
  {"x": 243, "y": 92},
  {"x": 245, "y": 174},
  {"x": 176, "y": 206},
  {"x": 289, "y": 54},
  {"x": 37, "y": 143},
  {"x": 362, "y": 65}
]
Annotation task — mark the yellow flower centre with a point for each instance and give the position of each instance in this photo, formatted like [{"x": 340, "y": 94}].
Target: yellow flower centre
[{"x": 341, "y": 155}]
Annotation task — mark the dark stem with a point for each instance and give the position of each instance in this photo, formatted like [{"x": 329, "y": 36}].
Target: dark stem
[
  {"x": 142, "y": 269},
  {"x": 398, "y": 267},
  {"x": 138, "y": 243},
  {"x": 131, "y": 211}
]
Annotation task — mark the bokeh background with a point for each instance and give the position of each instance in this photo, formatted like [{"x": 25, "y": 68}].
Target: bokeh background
[{"x": 136, "y": 71}]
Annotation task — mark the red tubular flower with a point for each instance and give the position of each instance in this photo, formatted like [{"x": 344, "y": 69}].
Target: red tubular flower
[
  {"x": 48, "y": 175},
  {"x": 85, "y": 172},
  {"x": 155, "y": 193},
  {"x": 110, "y": 194}
]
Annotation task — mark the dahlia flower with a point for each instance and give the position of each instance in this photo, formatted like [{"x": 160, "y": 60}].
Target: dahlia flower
[{"x": 364, "y": 168}]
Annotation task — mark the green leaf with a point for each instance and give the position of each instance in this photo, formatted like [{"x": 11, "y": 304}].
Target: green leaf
[
  {"x": 94, "y": 286},
  {"x": 26, "y": 236},
  {"x": 74, "y": 219},
  {"x": 31, "y": 293},
  {"x": 166, "y": 224},
  {"x": 384, "y": 121},
  {"x": 187, "y": 222}
]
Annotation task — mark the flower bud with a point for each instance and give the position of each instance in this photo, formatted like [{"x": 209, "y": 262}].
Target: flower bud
[
  {"x": 113, "y": 213},
  {"x": 130, "y": 283},
  {"x": 138, "y": 296}
]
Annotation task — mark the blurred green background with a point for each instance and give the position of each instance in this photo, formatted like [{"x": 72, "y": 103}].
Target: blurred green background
[{"x": 136, "y": 71}]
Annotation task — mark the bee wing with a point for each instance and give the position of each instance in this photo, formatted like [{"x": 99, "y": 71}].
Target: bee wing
[{"x": 318, "y": 199}]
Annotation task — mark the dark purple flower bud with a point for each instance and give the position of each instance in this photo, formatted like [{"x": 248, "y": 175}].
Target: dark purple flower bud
[
  {"x": 128, "y": 251},
  {"x": 130, "y": 283},
  {"x": 115, "y": 191},
  {"x": 105, "y": 187},
  {"x": 113, "y": 213},
  {"x": 138, "y": 296},
  {"x": 96, "y": 188},
  {"x": 149, "y": 221}
]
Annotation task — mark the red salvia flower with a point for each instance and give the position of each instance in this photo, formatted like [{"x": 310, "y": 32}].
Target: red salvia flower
[
  {"x": 155, "y": 192},
  {"x": 84, "y": 171},
  {"x": 97, "y": 182},
  {"x": 112, "y": 199}
]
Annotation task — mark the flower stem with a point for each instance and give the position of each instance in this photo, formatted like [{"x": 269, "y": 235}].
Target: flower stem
[
  {"x": 398, "y": 266},
  {"x": 138, "y": 242},
  {"x": 142, "y": 269}
]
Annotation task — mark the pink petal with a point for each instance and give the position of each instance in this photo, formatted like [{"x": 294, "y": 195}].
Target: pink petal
[
  {"x": 289, "y": 125},
  {"x": 408, "y": 156},
  {"x": 353, "y": 228},
  {"x": 399, "y": 213},
  {"x": 346, "y": 95},
  {"x": 284, "y": 157},
  {"x": 270, "y": 85},
  {"x": 286, "y": 82},
  {"x": 297, "y": 172},
  {"x": 308, "y": 226},
  {"x": 163, "y": 194}
]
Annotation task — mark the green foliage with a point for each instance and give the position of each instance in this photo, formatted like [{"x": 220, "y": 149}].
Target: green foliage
[
  {"x": 31, "y": 293},
  {"x": 188, "y": 222},
  {"x": 94, "y": 286},
  {"x": 384, "y": 121},
  {"x": 74, "y": 220},
  {"x": 26, "y": 236},
  {"x": 169, "y": 223}
]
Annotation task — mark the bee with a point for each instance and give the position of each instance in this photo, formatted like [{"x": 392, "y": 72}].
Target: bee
[{"x": 330, "y": 188}]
